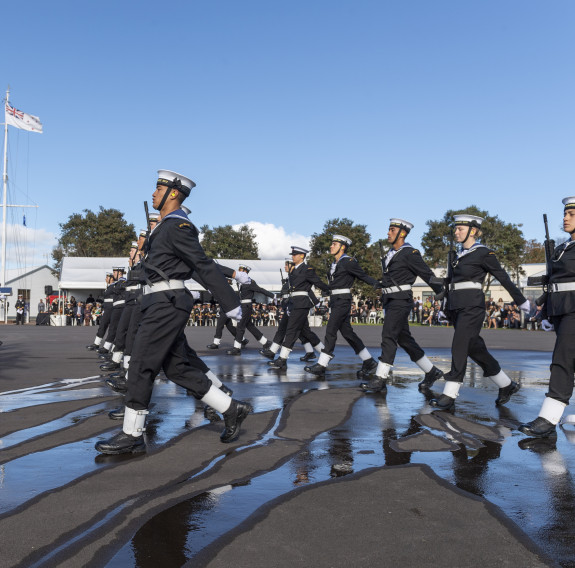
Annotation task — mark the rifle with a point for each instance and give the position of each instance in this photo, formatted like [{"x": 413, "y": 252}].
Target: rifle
[
  {"x": 549, "y": 246},
  {"x": 382, "y": 258}
]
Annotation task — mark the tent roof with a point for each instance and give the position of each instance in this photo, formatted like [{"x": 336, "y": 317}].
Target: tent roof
[{"x": 90, "y": 273}]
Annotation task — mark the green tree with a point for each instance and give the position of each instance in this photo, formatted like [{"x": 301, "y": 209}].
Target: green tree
[
  {"x": 534, "y": 252},
  {"x": 506, "y": 239},
  {"x": 105, "y": 233},
  {"x": 366, "y": 255},
  {"x": 226, "y": 242}
]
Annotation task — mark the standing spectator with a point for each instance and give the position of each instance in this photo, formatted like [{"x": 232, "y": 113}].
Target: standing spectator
[
  {"x": 88, "y": 314},
  {"x": 79, "y": 313},
  {"x": 41, "y": 306}
]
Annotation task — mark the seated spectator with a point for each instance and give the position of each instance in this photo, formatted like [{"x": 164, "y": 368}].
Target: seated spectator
[{"x": 493, "y": 317}]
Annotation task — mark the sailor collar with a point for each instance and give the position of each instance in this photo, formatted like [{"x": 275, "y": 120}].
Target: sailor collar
[{"x": 471, "y": 249}]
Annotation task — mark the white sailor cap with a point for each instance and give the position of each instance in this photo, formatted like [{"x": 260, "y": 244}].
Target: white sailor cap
[
  {"x": 468, "y": 220},
  {"x": 134, "y": 244},
  {"x": 569, "y": 202},
  {"x": 245, "y": 267},
  {"x": 185, "y": 210},
  {"x": 153, "y": 217},
  {"x": 144, "y": 233},
  {"x": 298, "y": 250},
  {"x": 341, "y": 239},
  {"x": 119, "y": 268},
  {"x": 401, "y": 223},
  {"x": 176, "y": 181},
  {"x": 109, "y": 275},
  {"x": 288, "y": 260}
]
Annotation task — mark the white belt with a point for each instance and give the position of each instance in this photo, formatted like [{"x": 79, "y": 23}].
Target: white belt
[
  {"x": 246, "y": 301},
  {"x": 136, "y": 287},
  {"x": 119, "y": 302},
  {"x": 562, "y": 287},
  {"x": 465, "y": 286},
  {"x": 299, "y": 294},
  {"x": 341, "y": 291},
  {"x": 164, "y": 285},
  {"x": 108, "y": 300},
  {"x": 394, "y": 289}
]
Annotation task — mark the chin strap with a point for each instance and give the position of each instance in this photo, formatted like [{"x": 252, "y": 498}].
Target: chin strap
[{"x": 176, "y": 184}]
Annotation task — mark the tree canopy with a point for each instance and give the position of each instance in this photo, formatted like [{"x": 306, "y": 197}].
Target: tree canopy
[
  {"x": 226, "y": 242},
  {"x": 105, "y": 233},
  {"x": 506, "y": 239},
  {"x": 366, "y": 255}
]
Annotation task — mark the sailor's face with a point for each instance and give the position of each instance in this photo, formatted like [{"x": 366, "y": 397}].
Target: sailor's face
[
  {"x": 334, "y": 247},
  {"x": 158, "y": 195},
  {"x": 569, "y": 220},
  {"x": 297, "y": 258},
  {"x": 392, "y": 233},
  {"x": 460, "y": 233}
]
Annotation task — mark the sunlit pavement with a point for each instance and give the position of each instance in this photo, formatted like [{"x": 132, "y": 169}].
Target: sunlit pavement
[{"x": 192, "y": 499}]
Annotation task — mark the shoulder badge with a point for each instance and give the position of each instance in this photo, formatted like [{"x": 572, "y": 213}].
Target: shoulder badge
[{"x": 182, "y": 225}]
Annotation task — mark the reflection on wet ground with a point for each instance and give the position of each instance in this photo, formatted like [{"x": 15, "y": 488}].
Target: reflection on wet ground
[{"x": 478, "y": 449}]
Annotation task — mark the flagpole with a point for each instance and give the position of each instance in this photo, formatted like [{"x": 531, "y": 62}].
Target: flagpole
[{"x": 5, "y": 190}]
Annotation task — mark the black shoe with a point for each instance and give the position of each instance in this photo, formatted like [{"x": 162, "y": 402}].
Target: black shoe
[
  {"x": 506, "y": 392},
  {"x": 245, "y": 342},
  {"x": 267, "y": 353},
  {"x": 234, "y": 351},
  {"x": 308, "y": 357},
  {"x": 434, "y": 375},
  {"x": 368, "y": 367},
  {"x": 117, "y": 413},
  {"x": 121, "y": 443},
  {"x": 316, "y": 369},
  {"x": 267, "y": 344},
  {"x": 539, "y": 445},
  {"x": 92, "y": 347},
  {"x": 375, "y": 384},
  {"x": 280, "y": 364},
  {"x": 444, "y": 402},
  {"x": 213, "y": 346},
  {"x": 539, "y": 428},
  {"x": 110, "y": 366},
  {"x": 233, "y": 418},
  {"x": 211, "y": 414},
  {"x": 121, "y": 374},
  {"x": 105, "y": 356},
  {"x": 102, "y": 351},
  {"x": 118, "y": 385},
  {"x": 227, "y": 390}
]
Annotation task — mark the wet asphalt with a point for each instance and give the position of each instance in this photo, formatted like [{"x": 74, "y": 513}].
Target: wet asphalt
[{"x": 322, "y": 474}]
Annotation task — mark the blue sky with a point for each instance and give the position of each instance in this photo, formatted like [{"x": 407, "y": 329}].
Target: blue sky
[{"x": 287, "y": 114}]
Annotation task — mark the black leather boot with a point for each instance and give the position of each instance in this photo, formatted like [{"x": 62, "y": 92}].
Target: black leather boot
[
  {"x": 267, "y": 353},
  {"x": 227, "y": 390},
  {"x": 211, "y": 414},
  {"x": 233, "y": 418},
  {"x": 118, "y": 385},
  {"x": 506, "y": 392},
  {"x": 245, "y": 342},
  {"x": 434, "y": 375},
  {"x": 102, "y": 351},
  {"x": 117, "y": 413},
  {"x": 539, "y": 428},
  {"x": 375, "y": 384},
  {"x": 316, "y": 369},
  {"x": 444, "y": 402},
  {"x": 213, "y": 346},
  {"x": 92, "y": 347},
  {"x": 279, "y": 364},
  {"x": 368, "y": 367},
  {"x": 234, "y": 351},
  {"x": 121, "y": 443},
  {"x": 110, "y": 366},
  {"x": 308, "y": 356}
]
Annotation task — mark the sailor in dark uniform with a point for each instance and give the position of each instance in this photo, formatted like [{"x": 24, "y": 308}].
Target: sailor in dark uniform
[
  {"x": 466, "y": 309},
  {"x": 402, "y": 265},
  {"x": 106, "y": 313},
  {"x": 559, "y": 315},
  {"x": 174, "y": 254},
  {"x": 302, "y": 278},
  {"x": 118, "y": 301},
  {"x": 308, "y": 338},
  {"x": 344, "y": 270},
  {"x": 247, "y": 292},
  {"x": 221, "y": 322}
]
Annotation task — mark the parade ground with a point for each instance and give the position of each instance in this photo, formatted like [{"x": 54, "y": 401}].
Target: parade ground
[{"x": 322, "y": 475}]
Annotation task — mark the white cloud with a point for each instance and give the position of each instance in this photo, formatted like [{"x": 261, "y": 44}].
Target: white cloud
[
  {"x": 27, "y": 247},
  {"x": 273, "y": 242}
]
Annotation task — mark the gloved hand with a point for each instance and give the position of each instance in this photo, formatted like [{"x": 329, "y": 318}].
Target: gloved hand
[
  {"x": 236, "y": 313},
  {"x": 546, "y": 325},
  {"x": 525, "y": 307},
  {"x": 242, "y": 277},
  {"x": 196, "y": 295},
  {"x": 378, "y": 285}
]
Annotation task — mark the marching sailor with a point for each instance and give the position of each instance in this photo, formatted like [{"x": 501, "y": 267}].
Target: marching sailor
[
  {"x": 344, "y": 270},
  {"x": 559, "y": 315},
  {"x": 174, "y": 254},
  {"x": 402, "y": 265},
  {"x": 106, "y": 314},
  {"x": 466, "y": 309}
]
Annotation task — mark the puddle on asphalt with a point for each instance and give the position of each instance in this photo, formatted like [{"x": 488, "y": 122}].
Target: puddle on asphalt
[{"x": 531, "y": 483}]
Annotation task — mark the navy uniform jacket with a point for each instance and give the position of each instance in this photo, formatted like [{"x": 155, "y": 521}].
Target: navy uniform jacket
[
  {"x": 562, "y": 270},
  {"x": 247, "y": 291},
  {"x": 119, "y": 291},
  {"x": 175, "y": 253},
  {"x": 403, "y": 268},
  {"x": 302, "y": 278},
  {"x": 474, "y": 267},
  {"x": 347, "y": 269},
  {"x": 134, "y": 278}
]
